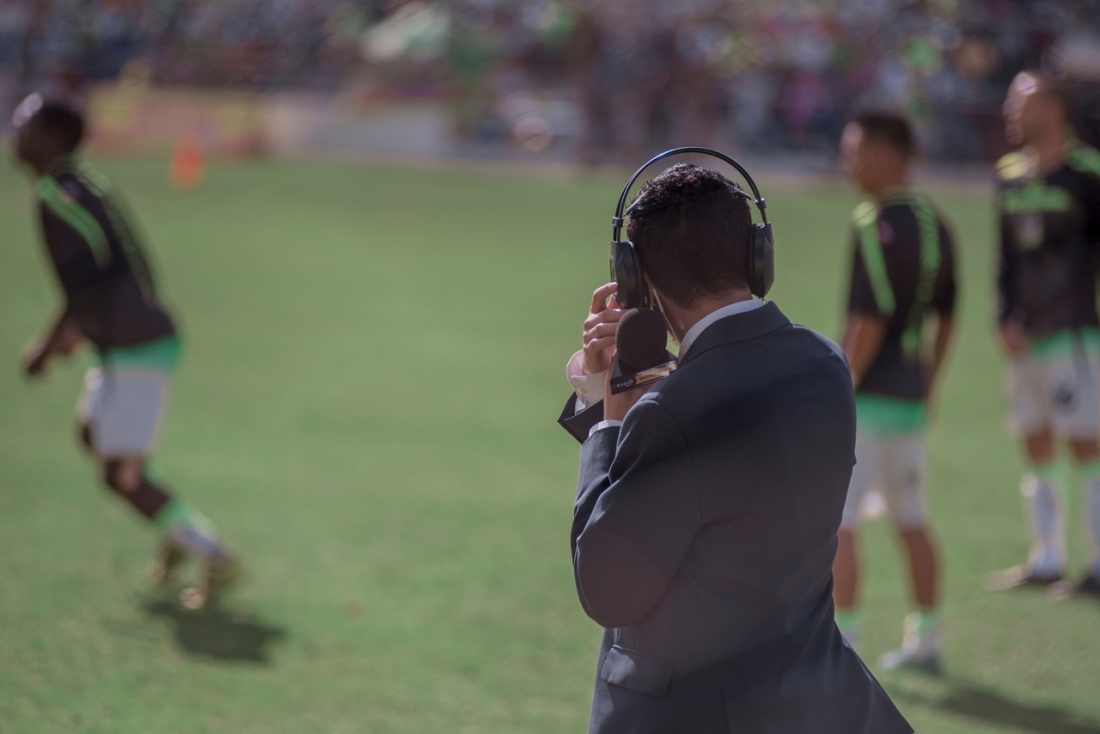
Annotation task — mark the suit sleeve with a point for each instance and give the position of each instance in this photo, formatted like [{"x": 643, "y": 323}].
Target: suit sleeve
[{"x": 636, "y": 515}]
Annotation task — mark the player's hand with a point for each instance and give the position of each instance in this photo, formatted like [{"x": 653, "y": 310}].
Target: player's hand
[
  {"x": 1013, "y": 339},
  {"x": 599, "y": 330},
  {"x": 35, "y": 360},
  {"x": 67, "y": 340}
]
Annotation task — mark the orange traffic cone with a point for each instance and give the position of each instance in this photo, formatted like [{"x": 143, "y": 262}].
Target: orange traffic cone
[{"x": 188, "y": 163}]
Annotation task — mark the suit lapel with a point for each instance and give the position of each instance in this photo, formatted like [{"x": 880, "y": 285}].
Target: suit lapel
[{"x": 737, "y": 328}]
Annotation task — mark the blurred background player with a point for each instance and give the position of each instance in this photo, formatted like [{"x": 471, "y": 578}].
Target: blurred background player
[
  {"x": 111, "y": 301},
  {"x": 1049, "y": 204},
  {"x": 903, "y": 269}
]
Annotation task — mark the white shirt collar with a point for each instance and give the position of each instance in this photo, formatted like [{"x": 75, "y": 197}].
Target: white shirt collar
[{"x": 701, "y": 325}]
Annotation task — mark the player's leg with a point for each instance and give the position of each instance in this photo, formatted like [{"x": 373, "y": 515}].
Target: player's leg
[
  {"x": 904, "y": 491},
  {"x": 1081, "y": 423},
  {"x": 846, "y": 563},
  {"x": 1086, "y": 458},
  {"x": 124, "y": 430},
  {"x": 1031, "y": 416}
]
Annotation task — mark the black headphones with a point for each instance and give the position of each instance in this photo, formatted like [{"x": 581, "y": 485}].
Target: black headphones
[{"x": 627, "y": 271}]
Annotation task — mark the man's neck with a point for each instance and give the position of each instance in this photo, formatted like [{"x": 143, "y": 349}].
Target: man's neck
[
  {"x": 888, "y": 185},
  {"x": 1049, "y": 153},
  {"x": 682, "y": 319}
]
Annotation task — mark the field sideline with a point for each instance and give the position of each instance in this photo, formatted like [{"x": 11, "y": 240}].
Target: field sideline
[{"x": 374, "y": 362}]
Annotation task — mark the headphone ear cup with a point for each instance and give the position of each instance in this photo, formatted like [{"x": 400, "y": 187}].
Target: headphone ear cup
[
  {"x": 762, "y": 266},
  {"x": 628, "y": 274}
]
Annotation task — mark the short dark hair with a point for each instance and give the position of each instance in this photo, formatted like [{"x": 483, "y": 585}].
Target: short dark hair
[
  {"x": 61, "y": 120},
  {"x": 691, "y": 228},
  {"x": 889, "y": 128}
]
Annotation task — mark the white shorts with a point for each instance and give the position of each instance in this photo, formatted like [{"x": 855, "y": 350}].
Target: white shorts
[
  {"x": 894, "y": 467},
  {"x": 1058, "y": 394},
  {"x": 124, "y": 409}
]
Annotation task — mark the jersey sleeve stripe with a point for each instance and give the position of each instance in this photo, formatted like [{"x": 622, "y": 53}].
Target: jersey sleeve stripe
[
  {"x": 870, "y": 249},
  {"x": 76, "y": 216}
]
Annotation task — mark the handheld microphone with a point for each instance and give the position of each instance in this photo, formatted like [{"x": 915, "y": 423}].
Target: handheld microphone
[{"x": 640, "y": 355}]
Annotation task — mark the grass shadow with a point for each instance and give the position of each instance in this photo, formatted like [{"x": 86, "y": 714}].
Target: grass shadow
[
  {"x": 990, "y": 707},
  {"x": 218, "y": 633}
]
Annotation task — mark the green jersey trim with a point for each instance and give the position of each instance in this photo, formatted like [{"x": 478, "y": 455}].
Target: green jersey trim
[
  {"x": 161, "y": 355},
  {"x": 870, "y": 247},
  {"x": 1064, "y": 344},
  {"x": 930, "y": 265},
  {"x": 76, "y": 216},
  {"x": 880, "y": 415}
]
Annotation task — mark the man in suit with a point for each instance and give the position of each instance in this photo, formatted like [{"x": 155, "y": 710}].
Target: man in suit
[{"x": 707, "y": 509}]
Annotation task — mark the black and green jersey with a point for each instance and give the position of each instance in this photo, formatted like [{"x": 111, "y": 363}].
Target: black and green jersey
[
  {"x": 903, "y": 267},
  {"x": 1050, "y": 229},
  {"x": 98, "y": 256}
]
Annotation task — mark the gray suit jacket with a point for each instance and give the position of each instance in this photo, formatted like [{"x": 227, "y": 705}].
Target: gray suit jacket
[{"x": 703, "y": 539}]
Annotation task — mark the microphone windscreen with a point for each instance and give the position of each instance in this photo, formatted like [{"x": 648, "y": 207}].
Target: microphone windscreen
[{"x": 640, "y": 339}]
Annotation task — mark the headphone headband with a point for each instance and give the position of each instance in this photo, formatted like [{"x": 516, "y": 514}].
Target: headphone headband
[{"x": 761, "y": 205}]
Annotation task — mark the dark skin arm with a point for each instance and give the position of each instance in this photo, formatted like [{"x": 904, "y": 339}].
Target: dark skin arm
[
  {"x": 945, "y": 328},
  {"x": 62, "y": 337},
  {"x": 863, "y": 336}
]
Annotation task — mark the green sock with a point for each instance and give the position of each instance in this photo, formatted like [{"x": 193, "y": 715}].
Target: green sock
[{"x": 190, "y": 529}]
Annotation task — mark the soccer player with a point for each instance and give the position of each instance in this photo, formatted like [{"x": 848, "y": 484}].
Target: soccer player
[
  {"x": 1049, "y": 204},
  {"x": 111, "y": 301},
  {"x": 903, "y": 271}
]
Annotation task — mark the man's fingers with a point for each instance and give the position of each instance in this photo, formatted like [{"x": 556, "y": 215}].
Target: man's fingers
[
  {"x": 600, "y": 296},
  {"x": 610, "y": 316},
  {"x": 600, "y": 331},
  {"x": 598, "y": 345}
]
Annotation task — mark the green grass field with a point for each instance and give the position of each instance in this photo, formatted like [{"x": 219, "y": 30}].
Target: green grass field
[{"x": 375, "y": 359}]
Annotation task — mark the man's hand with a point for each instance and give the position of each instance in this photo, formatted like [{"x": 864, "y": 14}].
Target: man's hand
[
  {"x": 615, "y": 407},
  {"x": 35, "y": 359},
  {"x": 599, "y": 330},
  {"x": 1013, "y": 339}
]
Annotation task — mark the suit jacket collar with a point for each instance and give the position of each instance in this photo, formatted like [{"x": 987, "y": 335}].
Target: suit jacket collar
[{"x": 737, "y": 328}]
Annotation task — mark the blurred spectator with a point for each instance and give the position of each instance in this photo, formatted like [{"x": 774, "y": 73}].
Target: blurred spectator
[{"x": 639, "y": 74}]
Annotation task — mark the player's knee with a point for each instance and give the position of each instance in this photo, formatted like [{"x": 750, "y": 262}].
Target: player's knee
[{"x": 122, "y": 476}]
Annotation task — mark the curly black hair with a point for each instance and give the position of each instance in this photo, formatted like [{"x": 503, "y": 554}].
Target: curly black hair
[
  {"x": 890, "y": 128},
  {"x": 691, "y": 228}
]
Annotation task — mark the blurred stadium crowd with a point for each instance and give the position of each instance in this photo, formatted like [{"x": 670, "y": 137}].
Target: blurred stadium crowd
[{"x": 611, "y": 78}]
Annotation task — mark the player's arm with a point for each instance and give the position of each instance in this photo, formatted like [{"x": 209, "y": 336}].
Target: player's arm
[
  {"x": 81, "y": 257},
  {"x": 870, "y": 303},
  {"x": 863, "y": 336},
  {"x": 1010, "y": 324},
  {"x": 62, "y": 336},
  {"x": 943, "y": 303}
]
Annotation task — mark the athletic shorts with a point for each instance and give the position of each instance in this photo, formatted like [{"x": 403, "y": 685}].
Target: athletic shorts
[
  {"x": 124, "y": 409},
  {"x": 1057, "y": 392},
  {"x": 893, "y": 466}
]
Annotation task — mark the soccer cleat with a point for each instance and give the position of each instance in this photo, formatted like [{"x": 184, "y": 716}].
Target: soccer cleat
[
  {"x": 926, "y": 662},
  {"x": 163, "y": 567},
  {"x": 221, "y": 575},
  {"x": 1017, "y": 577}
]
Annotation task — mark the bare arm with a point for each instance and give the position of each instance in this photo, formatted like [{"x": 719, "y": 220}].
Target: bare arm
[
  {"x": 945, "y": 329},
  {"x": 863, "y": 336},
  {"x": 61, "y": 338}
]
